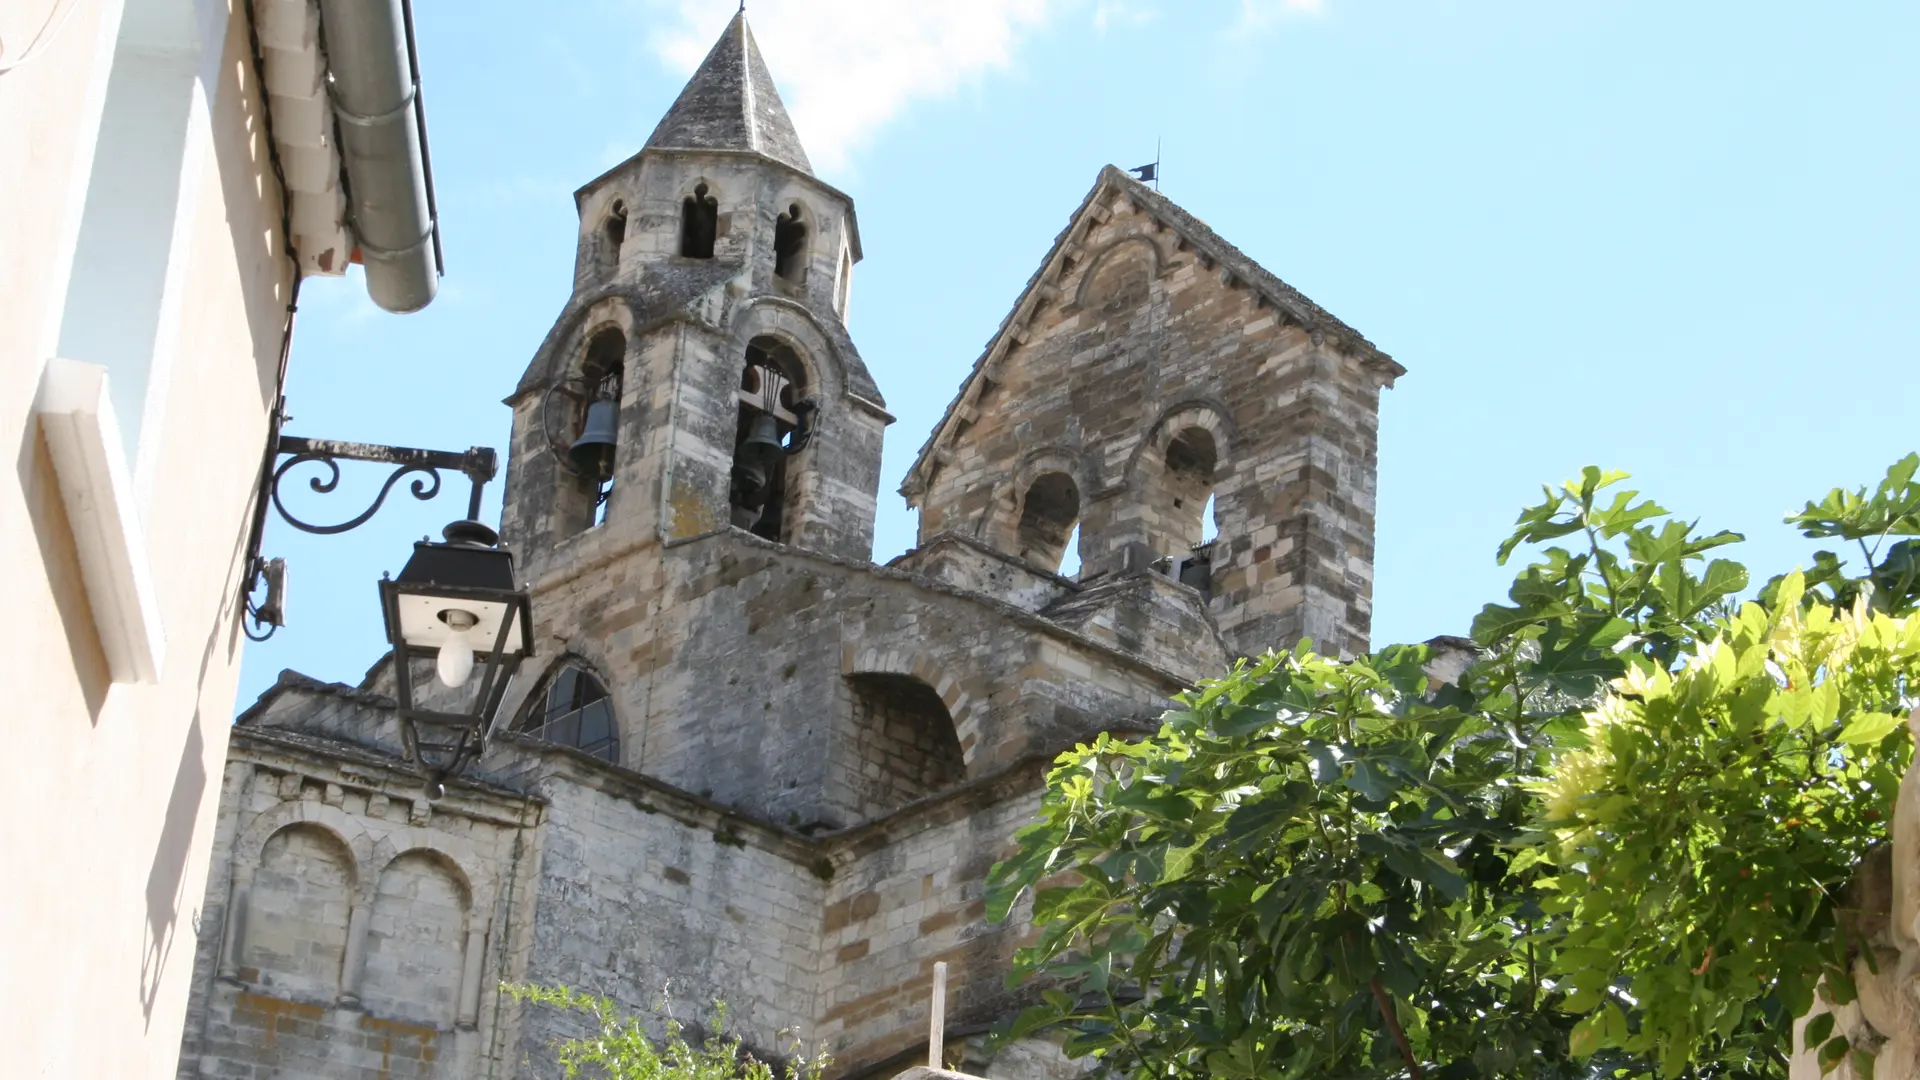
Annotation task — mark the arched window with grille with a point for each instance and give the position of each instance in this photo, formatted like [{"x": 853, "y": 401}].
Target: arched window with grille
[{"x": 573, "y": 709}]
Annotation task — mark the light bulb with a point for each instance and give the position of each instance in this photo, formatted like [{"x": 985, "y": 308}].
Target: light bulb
[
  {"x": 456, "y": 655},
  {"x": 456, "y": 660}
]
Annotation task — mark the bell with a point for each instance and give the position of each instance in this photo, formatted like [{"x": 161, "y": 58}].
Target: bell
[
  {"x": 762, "y": 443},
  {"x": 750, "y": 484},
  {"x": 592, "y": 452}
]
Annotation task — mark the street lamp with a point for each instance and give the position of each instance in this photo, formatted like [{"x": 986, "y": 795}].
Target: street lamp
[{"x": 454, "y": 603}]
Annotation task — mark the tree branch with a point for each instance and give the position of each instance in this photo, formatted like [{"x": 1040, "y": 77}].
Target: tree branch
[{"x": 1393, "y": 1026}]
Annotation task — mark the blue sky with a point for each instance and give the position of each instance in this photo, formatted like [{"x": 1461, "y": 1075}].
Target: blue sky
[{"x": 1677, "y": 239}]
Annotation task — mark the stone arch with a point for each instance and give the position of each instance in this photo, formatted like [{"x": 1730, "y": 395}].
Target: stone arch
[
  {"x": 423, "y": 903},
  {"x": 962, "y": 705},
  {"x": 1015, "y": 533},
  {"x": 470, "y": 866},
  {"x": 1205, "y": 413},
  {"x": 1211, "y": 416},
  {"x": 564, "y": 348},
  {"x": 596, "y": 377},
  {"x": 350, "y": 832},
  {"x": 796, "y": 325},
  {"x": 1176, "y": 474},
  {"x": 1114, "y": 279}
]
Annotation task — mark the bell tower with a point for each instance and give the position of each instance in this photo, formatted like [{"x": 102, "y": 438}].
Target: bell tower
[{"x": 701, "y": 376}]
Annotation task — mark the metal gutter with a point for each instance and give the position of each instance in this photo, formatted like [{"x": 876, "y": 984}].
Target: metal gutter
[{"x": 374, "y": 82}]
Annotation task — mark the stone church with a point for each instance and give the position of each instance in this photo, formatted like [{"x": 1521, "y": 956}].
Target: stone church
[{"x": 746, "y": 762}]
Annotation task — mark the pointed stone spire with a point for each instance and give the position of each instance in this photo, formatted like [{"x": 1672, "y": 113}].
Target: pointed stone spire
[{"x": 730, "y": 104}]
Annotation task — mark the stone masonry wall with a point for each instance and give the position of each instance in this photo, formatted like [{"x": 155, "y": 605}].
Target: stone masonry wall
[
  {"x": 906, "y": 893},
  {"x": 645, "y": 902},
  {"x": 350, "y": 927},
  {"x": 1136, "y": 333},
  {"x": 726, "y": 658}
]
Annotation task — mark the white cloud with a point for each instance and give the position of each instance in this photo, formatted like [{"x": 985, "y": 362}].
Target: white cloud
[{"x": 846, "y": 68}]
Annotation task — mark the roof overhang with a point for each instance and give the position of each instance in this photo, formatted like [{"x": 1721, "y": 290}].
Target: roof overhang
[{"x": 350, "y": 129}]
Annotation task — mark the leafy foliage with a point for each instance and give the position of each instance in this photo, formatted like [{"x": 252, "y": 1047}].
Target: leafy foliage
[
  {"x": 622, "y": 1050},
  {"x": 1704, "y": 832},
  {"x": 1610, "y": 846}
]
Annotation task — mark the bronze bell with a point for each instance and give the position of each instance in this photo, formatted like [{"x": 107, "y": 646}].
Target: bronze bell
[
  {"x": 762, "y": 444},
  {"x": 592, "y": 452}
]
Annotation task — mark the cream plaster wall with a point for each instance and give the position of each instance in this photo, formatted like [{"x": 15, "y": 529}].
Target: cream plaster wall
[{"x": 112, "y": 789}]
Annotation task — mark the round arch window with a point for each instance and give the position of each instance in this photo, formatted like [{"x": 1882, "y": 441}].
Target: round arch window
[{"x": 573, "y": 710}]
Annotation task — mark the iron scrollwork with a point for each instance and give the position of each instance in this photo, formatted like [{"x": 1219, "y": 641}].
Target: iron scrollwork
[{"x": 479, "y": 464}]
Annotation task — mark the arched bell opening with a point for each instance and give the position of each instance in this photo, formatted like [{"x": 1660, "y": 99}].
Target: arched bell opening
[
  {"x": 1049, "y": 519},
  {"x": 772, "y": 426},
  {"x": 1181, "y": 508},
  {"x": 593, "y": 449}
]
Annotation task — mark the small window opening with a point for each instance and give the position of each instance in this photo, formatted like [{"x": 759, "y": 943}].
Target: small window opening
[
  {"x": 771, "y": 404},
  {"x": 699, "y": 224},
  {"x": 790, "y": 244},
  {"x": 1049, "y": 516},
  {"x": 576, "y": 712},
  {"x": 613, "y": 233}
]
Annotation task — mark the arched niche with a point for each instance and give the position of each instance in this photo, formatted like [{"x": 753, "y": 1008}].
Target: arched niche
[
  {"x": 416, "y": 938},
  {"x": 304, "y": 888},
  {"x": 1119, "y": 276},
  {"x": 961, "y": 708},
  {"x": 793, "y": 234},
  {"x": 608, "y": 240},
  {"x": 903, "y": 743}
]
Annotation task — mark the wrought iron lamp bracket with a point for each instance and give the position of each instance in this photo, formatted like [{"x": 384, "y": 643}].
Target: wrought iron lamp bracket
[{"x": 479, "y": 464}]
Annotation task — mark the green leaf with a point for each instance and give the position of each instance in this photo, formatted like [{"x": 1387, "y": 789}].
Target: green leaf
[
  {"x": 1370, "y": 781},
  {"x": 1817, "y": 1031},
  {"x": 1832, "y": 1051},
  {"x": 1870, "y": 727}
]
